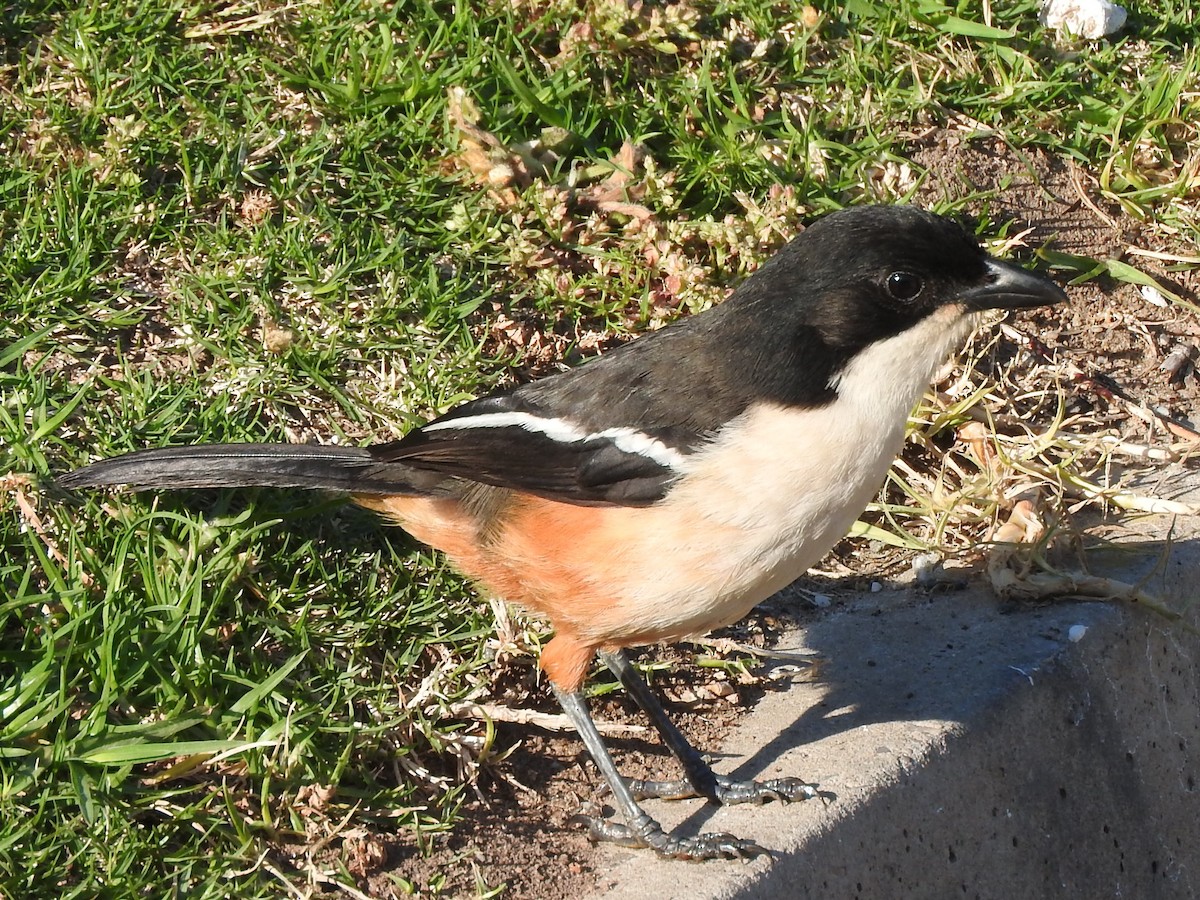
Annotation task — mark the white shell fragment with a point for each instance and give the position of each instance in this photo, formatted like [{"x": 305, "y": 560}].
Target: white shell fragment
[
  {"x": 1075, "y": 633},
  {"x": 1083, "y": 18},
  {"x": 1153, "y": 295}
]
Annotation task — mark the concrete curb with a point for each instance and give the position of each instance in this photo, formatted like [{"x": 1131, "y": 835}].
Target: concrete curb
[{"x": 976, "y": 750}]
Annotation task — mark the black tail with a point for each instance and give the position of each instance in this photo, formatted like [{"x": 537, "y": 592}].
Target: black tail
[{"x": 350, "y": 469}]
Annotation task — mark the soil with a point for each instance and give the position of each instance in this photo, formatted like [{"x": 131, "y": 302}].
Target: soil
[
  {"x": 1109, "y": 329},
  {"x": 529, "y": 839}
]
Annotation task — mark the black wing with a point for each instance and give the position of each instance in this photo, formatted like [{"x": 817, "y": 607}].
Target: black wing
[{"x": 501, "y": 441}]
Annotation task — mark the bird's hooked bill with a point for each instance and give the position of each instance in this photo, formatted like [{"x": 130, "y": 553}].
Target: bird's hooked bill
[{"x": 1011, "y": 287}]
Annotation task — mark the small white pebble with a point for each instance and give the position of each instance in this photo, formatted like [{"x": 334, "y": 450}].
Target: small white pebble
[
  {"x": 876, "y": 587},
  {"x": 821, "y": 601},
  {"x": 1075, "y": 633},
  {"x": 1089, "y": 19},
  {"x": 1153, "y": 295}
]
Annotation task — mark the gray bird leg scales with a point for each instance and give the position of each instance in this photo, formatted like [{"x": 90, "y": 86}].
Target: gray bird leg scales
[{"x": 641, "y": 829}]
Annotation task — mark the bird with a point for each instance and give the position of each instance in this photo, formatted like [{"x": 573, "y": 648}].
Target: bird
[{"x": 665, "y": 488}]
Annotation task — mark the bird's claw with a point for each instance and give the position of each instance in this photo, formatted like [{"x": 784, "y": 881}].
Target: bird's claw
[
  {"x": 727, "y": 791},
  {"x": 715, "y": 845},
  {"x": 783, "y": 790}
]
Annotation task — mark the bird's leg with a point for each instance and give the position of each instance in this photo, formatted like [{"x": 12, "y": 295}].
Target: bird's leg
[
  {"x": 699, "y": 778},
  {"x": 641, "y": 830}
]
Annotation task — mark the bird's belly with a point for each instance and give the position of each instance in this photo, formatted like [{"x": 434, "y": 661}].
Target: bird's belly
[
  {"x": 759, "y": 514},
  {"x": 700, "y": 581}
]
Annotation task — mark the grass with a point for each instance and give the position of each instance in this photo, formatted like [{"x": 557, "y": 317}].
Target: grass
[{"x": 331, "y": 220}]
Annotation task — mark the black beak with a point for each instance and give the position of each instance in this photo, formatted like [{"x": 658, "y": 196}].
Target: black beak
[{"x": 1008, "y": 286}]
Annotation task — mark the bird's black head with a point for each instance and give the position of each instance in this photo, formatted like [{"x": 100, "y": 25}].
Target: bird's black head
[
  {"x": 864, "y": 276},
  {"x": 872, "y": 272}
]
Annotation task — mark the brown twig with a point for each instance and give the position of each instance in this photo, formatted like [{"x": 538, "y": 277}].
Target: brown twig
[{"x": 547, "y": 721}]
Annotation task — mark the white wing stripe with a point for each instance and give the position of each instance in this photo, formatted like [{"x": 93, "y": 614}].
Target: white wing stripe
[{"x": 627, "y": 440}]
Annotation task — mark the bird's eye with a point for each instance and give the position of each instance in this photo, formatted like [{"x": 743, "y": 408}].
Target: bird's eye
[{"x": 904, "y": 286}]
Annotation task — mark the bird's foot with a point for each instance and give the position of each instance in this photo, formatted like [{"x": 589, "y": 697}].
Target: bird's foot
[
  {"x": 647, "y": 833},
  {"x": 727, "y": 791},
  {"x": 783, "y": 790}
]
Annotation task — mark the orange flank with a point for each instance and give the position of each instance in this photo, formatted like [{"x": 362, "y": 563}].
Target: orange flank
[{"x": 555, "y": 559}]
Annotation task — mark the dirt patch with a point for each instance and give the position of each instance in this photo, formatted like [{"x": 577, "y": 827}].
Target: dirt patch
[{"x": 1109, "y": 329}]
